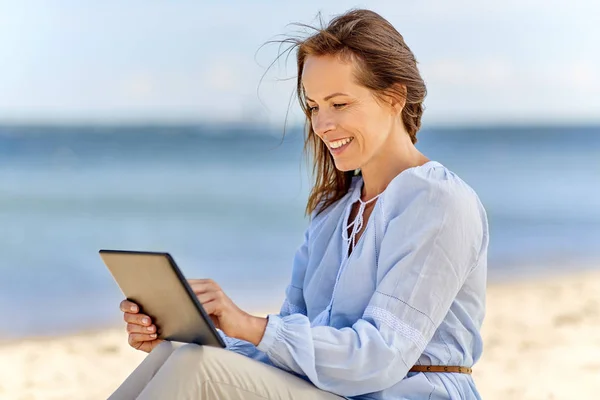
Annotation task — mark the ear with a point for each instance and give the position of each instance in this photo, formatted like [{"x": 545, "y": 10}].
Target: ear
[{"x": 397, "y": 96}]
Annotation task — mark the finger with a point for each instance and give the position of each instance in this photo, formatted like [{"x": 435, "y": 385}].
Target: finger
[
  {"x": 134, "y": 328},
  {"x": 204, "y": 285},
  {"x": 194, "y": 281},
  {"x": 136, "y": 338},
  {"x": 206, "y": 297},
  {"x": 207, "y": 289},
  {"x": 211, "y": 307},
  {"x": 129, "y": 306},
  {"x": 138, "y": 319}
]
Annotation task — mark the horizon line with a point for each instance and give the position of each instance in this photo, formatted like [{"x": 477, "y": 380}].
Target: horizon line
[{"x": 130, "y": 123}]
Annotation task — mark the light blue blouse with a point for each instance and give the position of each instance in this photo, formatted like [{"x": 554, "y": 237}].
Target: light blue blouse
[{"x": 412, "y": 292}]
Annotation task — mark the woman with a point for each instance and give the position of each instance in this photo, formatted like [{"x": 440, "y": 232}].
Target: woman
[{"x": 387, "y": 293}]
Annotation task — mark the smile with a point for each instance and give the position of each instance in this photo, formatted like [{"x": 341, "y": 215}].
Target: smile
[{"x": 337, "y": 146}]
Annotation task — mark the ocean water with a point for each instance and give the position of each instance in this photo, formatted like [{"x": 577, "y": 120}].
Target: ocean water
[{"x": 228, "y": 203}]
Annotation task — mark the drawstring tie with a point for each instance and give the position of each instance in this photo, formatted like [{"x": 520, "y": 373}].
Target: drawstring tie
[{"x": 357, "y": 224}]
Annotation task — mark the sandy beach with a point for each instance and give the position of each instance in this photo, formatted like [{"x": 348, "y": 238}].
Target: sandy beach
[{"x": 542, "y": 341}]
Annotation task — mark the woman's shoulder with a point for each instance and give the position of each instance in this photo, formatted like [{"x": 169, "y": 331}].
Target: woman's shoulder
[
  {"x": 431, "y": 188},
  {"x": 321, "y": 216}
]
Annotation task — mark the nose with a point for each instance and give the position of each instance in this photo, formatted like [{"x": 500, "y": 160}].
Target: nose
[{"x": 323, "y": 123}]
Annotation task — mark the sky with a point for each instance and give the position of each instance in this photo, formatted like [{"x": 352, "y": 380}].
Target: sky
[{"x": 510, "y": 61}]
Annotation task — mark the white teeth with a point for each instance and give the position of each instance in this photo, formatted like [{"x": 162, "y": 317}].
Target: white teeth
[{"x": 339, "y": 143}]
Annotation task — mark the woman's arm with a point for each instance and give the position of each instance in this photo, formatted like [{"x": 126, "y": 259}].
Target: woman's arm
[{"x": 427, "y": 252}]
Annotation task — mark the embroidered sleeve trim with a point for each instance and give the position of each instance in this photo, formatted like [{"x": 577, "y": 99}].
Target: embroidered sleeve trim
[{"x": 384, "y": 316}]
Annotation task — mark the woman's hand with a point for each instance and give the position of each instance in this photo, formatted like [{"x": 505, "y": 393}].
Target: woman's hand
[
  {"x": 142, "y": 333},
  {"x": 225, "y": 314}
]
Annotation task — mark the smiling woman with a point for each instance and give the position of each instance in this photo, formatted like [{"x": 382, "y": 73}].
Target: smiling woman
[
  {"x": 387, "y": 292},
  {"x": 382, "y": 86}
]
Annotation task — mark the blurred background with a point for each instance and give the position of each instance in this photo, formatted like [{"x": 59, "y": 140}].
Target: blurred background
[{"x": 145, "y": 125}]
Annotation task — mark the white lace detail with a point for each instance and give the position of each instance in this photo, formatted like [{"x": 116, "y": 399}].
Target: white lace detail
[
  {"x": 357, "y": 224},
  {"x": 384, "y": 316},
  {"x": 292, "y": 308}
]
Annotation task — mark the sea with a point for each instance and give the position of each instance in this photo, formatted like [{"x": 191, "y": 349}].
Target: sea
[{"x": 227, "y": 201}]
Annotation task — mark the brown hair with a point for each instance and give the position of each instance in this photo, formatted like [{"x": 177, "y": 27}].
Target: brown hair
[{"x": 384, "y": 64}]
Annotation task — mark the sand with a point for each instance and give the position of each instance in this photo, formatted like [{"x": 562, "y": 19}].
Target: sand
[{"x": 542, "y": 341}]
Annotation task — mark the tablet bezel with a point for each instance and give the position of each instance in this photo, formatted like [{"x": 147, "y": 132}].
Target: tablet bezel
[{"x": 182, "y": 281}]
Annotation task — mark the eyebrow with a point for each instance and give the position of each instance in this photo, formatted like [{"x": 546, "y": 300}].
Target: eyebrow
[{"x": 327, "y": 97}]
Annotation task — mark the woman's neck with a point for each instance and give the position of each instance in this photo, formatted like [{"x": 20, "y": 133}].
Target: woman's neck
[{"x": 392, "y": 160}]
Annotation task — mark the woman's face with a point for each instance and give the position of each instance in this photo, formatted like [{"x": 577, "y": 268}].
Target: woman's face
[{"x": 346, "y": 116}]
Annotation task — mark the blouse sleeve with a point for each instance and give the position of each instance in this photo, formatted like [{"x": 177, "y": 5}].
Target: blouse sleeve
[
  {"x": 244, "y": 348},
  {"x": 428, "y": 250}
]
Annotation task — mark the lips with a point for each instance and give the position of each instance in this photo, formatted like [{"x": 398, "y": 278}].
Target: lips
[{"x": 336, "y": 147}]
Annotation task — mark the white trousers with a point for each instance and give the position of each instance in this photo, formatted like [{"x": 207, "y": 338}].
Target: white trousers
[{"x": 186, "y": 372}]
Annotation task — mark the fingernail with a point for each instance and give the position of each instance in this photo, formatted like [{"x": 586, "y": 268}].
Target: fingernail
[
  {"x": 153, "y": 335},
  {"x": 145, "y": 320},
  {"x": 133, "y": 308},
  {"x": 150, "y": 329}
]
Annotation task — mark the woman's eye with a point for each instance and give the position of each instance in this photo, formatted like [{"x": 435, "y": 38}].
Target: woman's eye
[{"x": 336, "y": 106}]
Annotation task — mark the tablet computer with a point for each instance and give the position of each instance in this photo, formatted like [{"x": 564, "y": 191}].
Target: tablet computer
[{"x": 155, "y": 283}]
